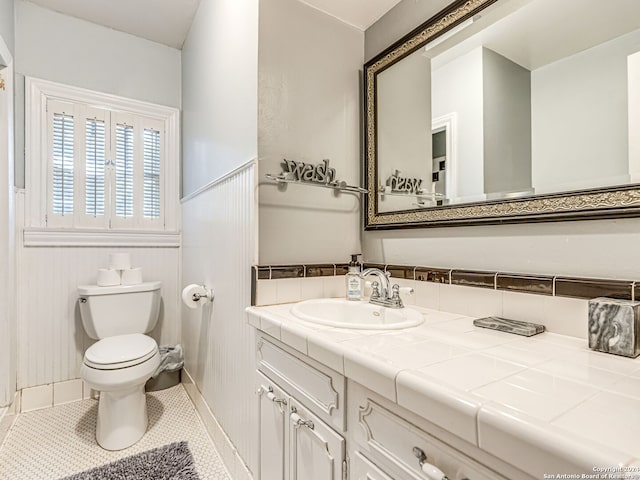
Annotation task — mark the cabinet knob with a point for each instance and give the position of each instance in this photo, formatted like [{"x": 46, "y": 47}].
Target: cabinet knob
[
  {"x": 299, "y": 422},
  {"x": 271, "y": 396},
  {"x": 431, "y": 471}
]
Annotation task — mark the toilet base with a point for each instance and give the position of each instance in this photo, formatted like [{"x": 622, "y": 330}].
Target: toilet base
[{"x": 122, "y": 418}]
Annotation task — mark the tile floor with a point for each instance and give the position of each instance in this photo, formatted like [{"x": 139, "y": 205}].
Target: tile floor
[{"x": 57, "y": 442}]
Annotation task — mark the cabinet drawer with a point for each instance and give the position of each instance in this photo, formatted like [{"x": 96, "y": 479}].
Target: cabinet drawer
[
  {"x": 388, "y": 440},
  {"x": 363, "y": 469},
  {"x": 317, "y": 387}
]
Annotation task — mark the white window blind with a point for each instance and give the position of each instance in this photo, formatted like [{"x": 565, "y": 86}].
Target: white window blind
[
  {"x": 106, "y": 168},
  {"x": 124, "y": 170},
  {"x": 62, "y": 163},
  {"x": 95, "y": 167},
  {"x": 99, "y": 162},
  {"x": 151, "y": 173}
]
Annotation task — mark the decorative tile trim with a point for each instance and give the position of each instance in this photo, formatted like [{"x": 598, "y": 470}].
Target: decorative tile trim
[
  {"x": 514, "y": 282},
  {"x": 342, "y": 268},
  {"x": 381, "y": 266},
  {"x": 471, "y": 278},
  {"x": 551, "y": 285},
  {"x": 287, "y": 271},
  {"x": 593, "y": 288},
  {"x": 275, "y": 272},
  {"x": 321, "y": 270},
  {"x": 436, "y": 275},
  {"x": 400, "y": 271},
  {"x": 263, "y": 273}
]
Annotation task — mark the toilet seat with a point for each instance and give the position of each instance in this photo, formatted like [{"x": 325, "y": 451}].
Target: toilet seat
[{"x": 121, "y": 351}]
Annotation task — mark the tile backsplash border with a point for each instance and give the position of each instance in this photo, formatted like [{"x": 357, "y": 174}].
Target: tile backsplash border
[{"x": 549, "y": 285}]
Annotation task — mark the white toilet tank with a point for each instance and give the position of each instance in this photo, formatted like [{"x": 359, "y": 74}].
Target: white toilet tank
[{"x": 119, "y": 310}]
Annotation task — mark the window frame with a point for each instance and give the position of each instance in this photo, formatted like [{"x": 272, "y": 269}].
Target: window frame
[{"x": 37, "y": 175}]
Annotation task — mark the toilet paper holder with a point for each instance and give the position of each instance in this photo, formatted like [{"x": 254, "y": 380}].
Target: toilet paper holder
[
  {"x": 208, "y": 295},
  {"x": 195, "y": 295}
]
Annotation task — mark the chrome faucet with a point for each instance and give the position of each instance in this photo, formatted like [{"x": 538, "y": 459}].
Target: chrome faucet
[{"x": 381, "y": 292}]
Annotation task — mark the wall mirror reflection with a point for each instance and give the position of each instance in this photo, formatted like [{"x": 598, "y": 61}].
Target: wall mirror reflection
[{"x": 504, "y": 111}]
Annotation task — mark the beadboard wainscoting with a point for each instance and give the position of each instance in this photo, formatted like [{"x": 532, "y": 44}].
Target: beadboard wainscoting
[
  {"x": 51, "y": 338},
  {"x": 218, "y": 248}
]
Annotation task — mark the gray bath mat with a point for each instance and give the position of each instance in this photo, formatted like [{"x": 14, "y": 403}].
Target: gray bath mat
[{"x": 171, "y": 462}]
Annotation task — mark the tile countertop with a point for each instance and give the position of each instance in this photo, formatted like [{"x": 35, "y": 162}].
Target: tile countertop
[{"x": 546, "y": 404}]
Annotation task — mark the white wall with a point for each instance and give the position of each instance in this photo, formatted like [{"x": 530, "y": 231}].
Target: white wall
[
  {"x": 219, "y": 73},
  {"x": 588, "y": 248},
  {"x": 7, "y": 282},
  {"x": 599, "y": 248},
  {"x": 308, "y": 111},
  {"x": 63, "y": 49},
  {"x": 60, "y": 48},
  {"x": 90, "y": 56},
  {"x": 457, "y": 88},
  {"x": 507, "y": 124},
  {"x": 404, "y": 125},
  {"x": 400, "y": 20},
  {"x": 219, "y": 95},
  {"x": 8, "y": 319},
  {"x": 579, "y": 117},
  {"x": 633, "y": 88},
  {"x": 7, "y": 24}
]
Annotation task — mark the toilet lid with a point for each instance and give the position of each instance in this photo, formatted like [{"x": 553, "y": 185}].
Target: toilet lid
[{"x": 120, "y": 351}]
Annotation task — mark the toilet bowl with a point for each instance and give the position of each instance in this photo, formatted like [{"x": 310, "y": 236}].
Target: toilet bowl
[
  {"x": 118, "y": 367},
  {"x": 121, "y": 362}
]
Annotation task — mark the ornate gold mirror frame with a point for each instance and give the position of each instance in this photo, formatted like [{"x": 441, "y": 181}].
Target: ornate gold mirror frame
[{"x": 610, "y": 202}]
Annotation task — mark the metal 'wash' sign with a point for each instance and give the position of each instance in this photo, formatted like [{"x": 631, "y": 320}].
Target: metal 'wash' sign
[
  {"x": 307, "y": 172},
  {"x": 320, "y": 175},
  {"x": 399, "y": 184}
]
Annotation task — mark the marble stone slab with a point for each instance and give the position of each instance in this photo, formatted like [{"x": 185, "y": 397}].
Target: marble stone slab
[{"x": 614, "y": 326}]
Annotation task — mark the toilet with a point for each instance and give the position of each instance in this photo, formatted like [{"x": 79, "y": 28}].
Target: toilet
[{"x": 124, "y": 358}]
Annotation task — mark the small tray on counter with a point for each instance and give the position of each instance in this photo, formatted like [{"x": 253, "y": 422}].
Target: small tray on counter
[{"x": 516, "y": 327}]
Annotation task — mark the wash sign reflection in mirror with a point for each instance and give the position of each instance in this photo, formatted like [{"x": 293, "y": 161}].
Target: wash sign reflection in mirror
[
  {"x": 412, "y": 188},
  {"x": 538, "y": 97}
]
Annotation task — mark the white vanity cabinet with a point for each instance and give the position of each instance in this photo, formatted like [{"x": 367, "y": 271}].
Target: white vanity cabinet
[
  {"x": 300, "y": 402},
  {"x": 310, "y": 430}
]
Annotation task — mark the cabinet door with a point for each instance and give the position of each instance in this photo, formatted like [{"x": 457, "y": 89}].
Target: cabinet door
[
  {"x": 273, "y": 411},
  {"x": 316, "y": 452}
]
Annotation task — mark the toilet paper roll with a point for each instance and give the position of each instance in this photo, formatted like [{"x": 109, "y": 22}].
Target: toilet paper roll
[
  {"x": 119, "y": 261},
  {"x": 132, "y": 276},
  {"x": 195, "y": 295},
  {"x": 108, "y": 277}
]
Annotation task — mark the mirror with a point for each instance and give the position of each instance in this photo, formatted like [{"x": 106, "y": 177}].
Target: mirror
[{"x": 499, "y": 111}]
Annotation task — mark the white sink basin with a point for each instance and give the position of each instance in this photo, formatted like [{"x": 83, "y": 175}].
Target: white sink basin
[{"x": 336, "y": 312}]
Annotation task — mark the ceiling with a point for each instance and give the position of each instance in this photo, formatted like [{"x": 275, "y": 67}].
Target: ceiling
[
  {"x": 535, "y": 33},
  {"x": 161, "y": 21},
  {"x": 168, "y": 21},
  {"x": 359, "y": 13}
]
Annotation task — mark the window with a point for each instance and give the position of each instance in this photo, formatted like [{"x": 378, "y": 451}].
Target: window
[{"x": 104, "y": 162}]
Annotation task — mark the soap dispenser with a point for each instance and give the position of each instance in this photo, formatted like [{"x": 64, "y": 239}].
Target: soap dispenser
[{"x": 353, "y": 280}]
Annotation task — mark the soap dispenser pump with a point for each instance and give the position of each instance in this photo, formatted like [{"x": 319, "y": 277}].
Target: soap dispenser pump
[{"x": 353, "y": 280}]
